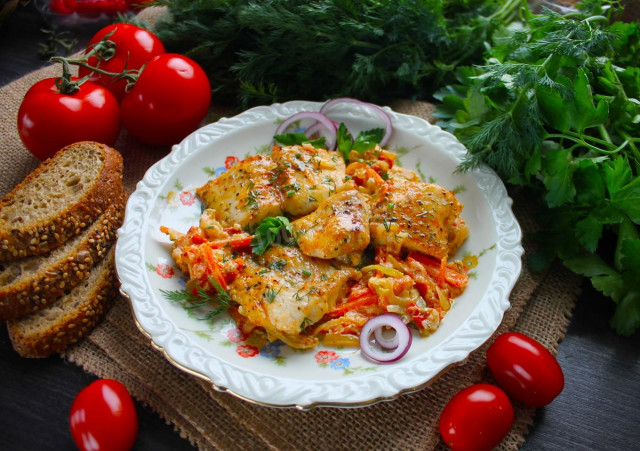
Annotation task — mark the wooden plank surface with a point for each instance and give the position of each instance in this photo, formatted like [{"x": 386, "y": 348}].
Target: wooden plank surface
[{"x": 599, "y": 408}]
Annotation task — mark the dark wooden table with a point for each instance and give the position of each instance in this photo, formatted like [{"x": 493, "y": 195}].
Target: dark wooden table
[{"x": 599, "y": 408}]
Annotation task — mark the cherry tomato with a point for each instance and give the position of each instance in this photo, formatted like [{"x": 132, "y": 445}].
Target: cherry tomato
[
  {"x": 101, "y": 6},
  {"x": 169, "y": 100},
  {"x": 135, "y": 46},
  {"x": 103, "y": 417},
  {"x": 49, "y": 120},
  {"x": 477, "y": 418},
  {"x": 62, "y": 6},
  {"x": 525, "y": 369}
]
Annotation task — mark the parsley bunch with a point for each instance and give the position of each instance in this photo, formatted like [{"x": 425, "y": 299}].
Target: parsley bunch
[
  {"x": 556, "y": 109},
  {"x": 260, "y": 52}
]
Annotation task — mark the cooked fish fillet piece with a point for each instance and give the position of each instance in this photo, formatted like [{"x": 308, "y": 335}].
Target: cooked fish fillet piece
[
  {"x": 402, "y": 174},
  {"x": 285, "y": 291},
  {"x": 307, "y": 176},
  {"x": 245, "y": 194},
  {"x": 340, "y": 226},
  {"x": 419, "y": 216}
]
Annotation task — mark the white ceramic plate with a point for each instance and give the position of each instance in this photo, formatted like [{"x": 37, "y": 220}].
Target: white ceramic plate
[{"x": 276, "y": 374}]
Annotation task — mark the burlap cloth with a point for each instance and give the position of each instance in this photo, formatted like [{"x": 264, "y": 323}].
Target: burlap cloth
[{"x": 541, "y": 307}]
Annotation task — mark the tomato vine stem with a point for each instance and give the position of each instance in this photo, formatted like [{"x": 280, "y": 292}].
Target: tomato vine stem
[{"x": 104, "y": 50}]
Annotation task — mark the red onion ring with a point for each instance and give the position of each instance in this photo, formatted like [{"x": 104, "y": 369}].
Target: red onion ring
[
  {"x": 320, "y": 129},
  {"x": 331, "y": 136},
  {"x": 384, "y": 341},
  {"x": 388, "y": 126},
  {"x": 376, "y": 351}
]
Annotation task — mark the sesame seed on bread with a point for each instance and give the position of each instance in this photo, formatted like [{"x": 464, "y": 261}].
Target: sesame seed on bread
[
  {"x": 69, "y": 318},
  {"x": 29, "y": 284},
  {"x": 58, "y": 200}
]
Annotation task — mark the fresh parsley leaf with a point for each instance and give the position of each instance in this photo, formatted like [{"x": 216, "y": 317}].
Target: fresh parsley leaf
[
  {"x": 627, "y": 200},
  {"x": 292, "y": 139},
  {"x": 344, "y": 141},
  {"x": 589, "y": 232},
  {"x": 626, "y": 317},
  {"x": 272, "y": 229},
  {"x": 367, "y": 139},
  {"x": 559, "y": 178}
]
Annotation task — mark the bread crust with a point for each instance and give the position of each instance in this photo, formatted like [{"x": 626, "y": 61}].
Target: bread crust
[
  {"x": 61, "y": 274},
  {"x": 21, "y": 240},
  {"x": 45, "y": 337}
]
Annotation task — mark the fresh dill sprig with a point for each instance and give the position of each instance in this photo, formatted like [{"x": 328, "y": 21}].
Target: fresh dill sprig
[{"x": 208, "y": 305}]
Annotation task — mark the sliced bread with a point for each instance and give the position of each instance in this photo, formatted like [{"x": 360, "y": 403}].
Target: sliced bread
[
  {"x": 28, "y": 284},
  {"x": 63, "y": 196},
  {"x": 69, "y": 318}
]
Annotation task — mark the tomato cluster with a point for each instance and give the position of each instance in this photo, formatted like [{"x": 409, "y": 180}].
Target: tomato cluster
[
  {"x": 480, "y": 416},
  {"x": 158, "y": 97}
]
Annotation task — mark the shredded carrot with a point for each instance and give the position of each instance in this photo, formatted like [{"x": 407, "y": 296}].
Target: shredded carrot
[
  {"x": 213, "y": 266},
  {"x": 443, "y": 272},
  {"x": 359, "y": 296},
  {"x": 353, "y": 305},
  {"x": 236, "y": 243},
  {"x": 435, "y": 269}
]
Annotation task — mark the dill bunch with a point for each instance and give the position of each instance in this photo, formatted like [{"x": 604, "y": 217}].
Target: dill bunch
[
  {"x": 277, "y": 50},
  {"x": 556, "y": 109}
]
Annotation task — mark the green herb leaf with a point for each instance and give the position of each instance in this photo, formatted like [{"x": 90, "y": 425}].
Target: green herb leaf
[
  {"x": 626, "y": 317},
  {"x": 271, "y": 230},
  {"x": 211, "y": 305},
  {"x": 292, "y": 139},
  {"x": 559, "y": 180},
  {"x": 367, "y": 139},
  {"x": 344, "y": 141}
]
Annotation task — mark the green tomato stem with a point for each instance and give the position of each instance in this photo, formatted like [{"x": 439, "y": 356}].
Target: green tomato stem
[{"x": 104, "y": 50}]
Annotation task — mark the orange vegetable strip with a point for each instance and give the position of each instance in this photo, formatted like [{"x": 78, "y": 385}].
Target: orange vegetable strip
[
  {"x": 353, "y": 305},
  {"x": 433, "y": 267},
  {"x": 236, "y": 243},
  {"x": 443, "y": 271},
  {"x": 212, "y": 265}
]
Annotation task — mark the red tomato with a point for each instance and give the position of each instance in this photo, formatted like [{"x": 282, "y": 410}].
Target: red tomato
[
  {"x": 477, "y": 418},
  {"x": 101, "y": 6},
  {"x": 525, "y": 369},
  {"x": 103, "y": 417},
  {"x": 62, "y": 6},
  {"x": 169, "y": 100},
  {"x": 49, "y": 120},
  {"x": 135, "y": 46}
]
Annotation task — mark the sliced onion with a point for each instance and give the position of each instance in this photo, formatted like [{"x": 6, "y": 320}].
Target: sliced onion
[
  {"x": 378, "y": 351},
  {"x": 388, "y": 126},
  {"x": 320, "y": 129},
  {"x": 318, "y": 117},
  {"x": 387, "y": 342}
]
